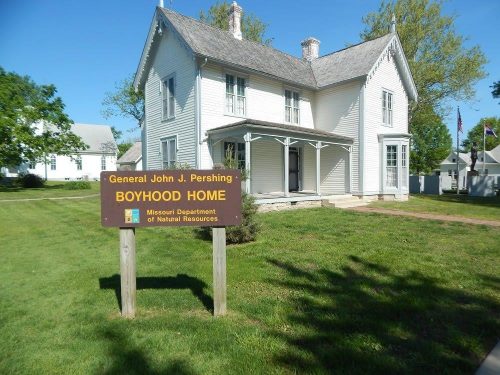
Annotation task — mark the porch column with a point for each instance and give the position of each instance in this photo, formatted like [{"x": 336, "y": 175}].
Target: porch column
[
  {"x": 248, "y": 138},
  {"x": 318, "y": 168},
  {"x": 286, "y": 160}
]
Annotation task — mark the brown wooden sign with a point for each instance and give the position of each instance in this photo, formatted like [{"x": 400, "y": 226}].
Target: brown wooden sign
[{"x": 132, "y": 199}]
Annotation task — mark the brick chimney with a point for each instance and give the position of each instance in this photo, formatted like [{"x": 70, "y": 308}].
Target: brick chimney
[
  {"x": 310, "y": 49},
  {"x": 235, "y": 20}
]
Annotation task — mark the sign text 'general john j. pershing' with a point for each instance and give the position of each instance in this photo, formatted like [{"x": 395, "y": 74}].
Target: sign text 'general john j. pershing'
[{"x": 155, "y": 198}]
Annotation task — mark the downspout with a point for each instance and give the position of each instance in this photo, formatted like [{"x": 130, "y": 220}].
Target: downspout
[{"x": 199, "y": 140}]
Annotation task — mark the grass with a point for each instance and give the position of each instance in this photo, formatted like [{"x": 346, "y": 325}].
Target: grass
[
  {"x": 321, "y": 291},
  {"x": 448, "y": 204},
  {"x": 52, "y": 189}
]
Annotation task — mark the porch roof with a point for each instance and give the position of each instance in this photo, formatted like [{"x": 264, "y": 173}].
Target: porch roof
[{"x": 278, "y": 130}]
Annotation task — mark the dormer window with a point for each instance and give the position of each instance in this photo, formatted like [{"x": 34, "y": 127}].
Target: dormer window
[
  {"x": 235, "y": 95},
  {"x": 387, "y": 105},
  {"x": 292, "y": 111}
]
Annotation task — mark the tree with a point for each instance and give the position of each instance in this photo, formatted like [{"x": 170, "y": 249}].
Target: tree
[
  {"x": 23, "y": 104},
  {"x": 252, "y": 28},
  {"x": 496, "y": 90},
  {"x": 431, "y": 142},
  {"x": 476, "y": 135},
  {"x": 125, "y": 101},
  {"x": 442, "y": 67}
]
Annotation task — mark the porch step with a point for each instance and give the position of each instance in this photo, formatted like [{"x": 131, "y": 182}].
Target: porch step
[{"x": 344, "y": 201}]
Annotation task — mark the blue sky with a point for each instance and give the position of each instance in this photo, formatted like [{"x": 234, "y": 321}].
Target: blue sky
[{"x": 84, "y": 47}]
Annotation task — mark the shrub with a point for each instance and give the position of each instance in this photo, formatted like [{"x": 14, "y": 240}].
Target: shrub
[
  {"x": 77, "y": 185},
  {"x": 248, "y": 229},
  {"x": 30, "y": 181}
]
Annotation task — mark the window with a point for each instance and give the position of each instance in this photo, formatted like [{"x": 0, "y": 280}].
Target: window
[
  {"x": 78, "y": 162},
  {"x": 32, "y": 165},
  {"x": 169, "y": 153},
  {"x": 391, "y": 166},
  {"x": 404, "y": 167},
  {"x": 486, "y": 172},
  {"x": 453, "y": 160},
  {"x": 237, "y": 152},
  {"x": 449, "y": 172},
  {"x": 53, "y": 163},
  {"x": 103, "y": 163},
  {"x": 292, "y": 113},
  {"x": 168, "y": 98},
  {"x": 235, "y": 95},
  {"x": 387, "y": 108}
]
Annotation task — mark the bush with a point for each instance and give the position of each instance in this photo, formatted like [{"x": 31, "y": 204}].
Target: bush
[
  {"x": 30, "y": 181},
  {"x": 77, "y": 185},
  {"x": 245, "y": 232}
]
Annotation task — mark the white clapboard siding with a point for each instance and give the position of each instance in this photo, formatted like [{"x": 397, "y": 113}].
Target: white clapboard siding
[
  {"x": 385, "y": 77},
  {"x": 337, "y": 111},
  {"x": 267, "y": 166},
  {"x": 308, "y": 168},
  {"x": 171, "y": 58},
  {"x": 333, "y": 170}
]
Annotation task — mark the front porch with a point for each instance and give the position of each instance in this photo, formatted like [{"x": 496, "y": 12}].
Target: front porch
[{"x": 285, "y": 163}]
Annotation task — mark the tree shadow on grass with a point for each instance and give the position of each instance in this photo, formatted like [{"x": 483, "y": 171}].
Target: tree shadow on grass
[
  {"x": 128, "y": 358},
  {"x": 464, "y": 199},
  {"x": 367, "y": 319},
  {"x": 181, "y": 281}
]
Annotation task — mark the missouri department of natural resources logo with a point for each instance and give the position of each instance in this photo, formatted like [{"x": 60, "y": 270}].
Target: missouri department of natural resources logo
[{"x": 132, "y": 216}]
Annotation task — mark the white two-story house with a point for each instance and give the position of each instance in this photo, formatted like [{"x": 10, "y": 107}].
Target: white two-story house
[{"x": 303, "y": 128}]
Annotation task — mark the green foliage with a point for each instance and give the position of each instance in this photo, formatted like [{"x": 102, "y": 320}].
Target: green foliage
[
  {"x": 24, "y": 103},
  {"x": 249, "y": 228},
  {"x": 442, "y": 67},
  {"x": 124, "y": 101},
  {"x": 29, "y": 181},
  {"x": 496, "y": 90},
  {"x": 77, "y": 185},
  {"x": 252, "y": 27},
  {"x": 123, "y": 148},
  {"x": 431, "y": 142},
  {"x": 476, "y": 135}
]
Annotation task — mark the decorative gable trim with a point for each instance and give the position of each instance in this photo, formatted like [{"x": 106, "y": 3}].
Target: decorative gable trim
[{"x": 395, "y": 50}]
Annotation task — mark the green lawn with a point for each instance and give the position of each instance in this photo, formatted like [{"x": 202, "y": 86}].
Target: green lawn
[
  {"x": 52, "y": 189},
  {"x": 448, "y": 204},
  {"x": 321, "y": 291}
]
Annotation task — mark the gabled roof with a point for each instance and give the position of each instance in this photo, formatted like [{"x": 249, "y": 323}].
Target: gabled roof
[
  {"x": 464, "y": 158},
  {"x": 220, "y": 46},
  {"x": 348, "y": 63},
  {"x": 133, "y": 154},
  {"x": 99, "y": 138},
  {"x": 495, "y": 153}
]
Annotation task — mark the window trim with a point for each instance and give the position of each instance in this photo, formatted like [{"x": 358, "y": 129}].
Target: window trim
[
  {"x": 79, "y": 163},
  {"x": 293, "y": 90},
  {"x": 168, "y": 116},
  {"x": 53, "y": 163},
  {"x": 236, "y": 75},
  {"x": 390, "y": 114},
  {"x": 104, "y": 164},
  {"x": 163, "y": 140}
]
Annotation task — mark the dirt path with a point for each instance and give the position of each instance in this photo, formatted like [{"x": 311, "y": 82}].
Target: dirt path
[
  {"x": 428, "y": 216},
  {"x": 50, "y": 199}
]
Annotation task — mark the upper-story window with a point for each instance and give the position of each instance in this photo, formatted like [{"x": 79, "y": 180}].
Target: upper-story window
[
  {"x": 168, "y": 90},
  {"x": 387, "y": 105},
  {"x": 78, "y": 162},
  {"x": 235, "y": 95},
  {"x": 292, "y": 112},
  {"x": 53, "y": 163}
]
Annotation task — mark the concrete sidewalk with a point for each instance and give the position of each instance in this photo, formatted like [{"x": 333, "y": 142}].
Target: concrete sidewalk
[{"x": 491, "y": 364}]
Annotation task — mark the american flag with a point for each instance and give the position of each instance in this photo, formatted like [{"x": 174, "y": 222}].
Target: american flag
[
  {"x": 459, "y": 122},
  {"x": 489, "y": 131}
]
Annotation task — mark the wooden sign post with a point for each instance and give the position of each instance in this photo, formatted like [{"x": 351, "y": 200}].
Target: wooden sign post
[
  {"x": 127, "y": 271},
  {"x": 131, "y": 199},
  {"x": 219, "y": 270}
]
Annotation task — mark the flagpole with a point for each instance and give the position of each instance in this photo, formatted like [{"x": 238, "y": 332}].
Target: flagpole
[
  {"x": 484, "y": 147},
  {"x": 458, "y": 155}
]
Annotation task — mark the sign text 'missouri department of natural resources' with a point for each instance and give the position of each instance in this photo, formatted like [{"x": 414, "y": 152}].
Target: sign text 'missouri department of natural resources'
[{"x": 171, "y": 198}]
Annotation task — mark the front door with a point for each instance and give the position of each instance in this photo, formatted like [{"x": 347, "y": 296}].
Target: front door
[{"x": 293, "y": 169}]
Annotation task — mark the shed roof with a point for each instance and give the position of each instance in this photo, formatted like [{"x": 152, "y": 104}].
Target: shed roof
[{"x": 133, "y": 154}]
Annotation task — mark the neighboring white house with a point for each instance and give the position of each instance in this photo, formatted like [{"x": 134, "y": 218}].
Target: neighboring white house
[
  {"x": 132, "y": 159},
  {"x": 488, "y": 163},
  {"x": 303, "y": 127},
  {"x": 86, "y": 164}
]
